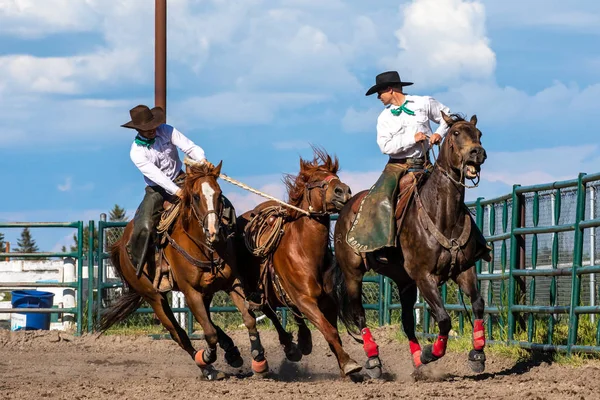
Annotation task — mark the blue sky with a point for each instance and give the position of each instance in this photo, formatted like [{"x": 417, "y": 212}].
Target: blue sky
[{"x": 254, "y": 82}]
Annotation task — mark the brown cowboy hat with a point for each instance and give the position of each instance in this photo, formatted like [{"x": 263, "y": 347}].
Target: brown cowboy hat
[
  {"x": 386, "y": 80},
  {"x": 144, "y": 118}
]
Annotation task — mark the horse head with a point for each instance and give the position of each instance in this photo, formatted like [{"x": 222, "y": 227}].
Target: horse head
[
  {"x": 462, "y": 151},
  {"x": 317, "y": 186},
  {"x": 202, "y": 198}
]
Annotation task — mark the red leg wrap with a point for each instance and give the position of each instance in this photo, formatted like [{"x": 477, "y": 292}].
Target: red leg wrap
[
  {"x": 199, "y": 360},
  {"x": 260, "y": 366},
  {"x": 415, "y": 350},
  {"x": 371, "y": 348},
  {"x": 439, "y": 347},
  {"x": 478, "y": 335}
]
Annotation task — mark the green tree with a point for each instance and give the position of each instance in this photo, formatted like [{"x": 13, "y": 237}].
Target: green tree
[
  {"x": 86, "y": 240},
  {"x": 117, "y": 214},
  {"x": 26, "y": 243},
  {"x": 2, "y": 243}
]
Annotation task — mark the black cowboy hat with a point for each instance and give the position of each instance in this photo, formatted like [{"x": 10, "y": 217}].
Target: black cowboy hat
[
  {"x": 386, "y": 80},
  {"x": 144, "y": 118}
]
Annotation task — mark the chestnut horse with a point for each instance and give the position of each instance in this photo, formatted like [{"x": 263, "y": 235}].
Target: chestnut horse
[
  {"x": 201, "y": 254},
  {"x": 297, "y": 273},
  {"x": 436, "y": 243}
]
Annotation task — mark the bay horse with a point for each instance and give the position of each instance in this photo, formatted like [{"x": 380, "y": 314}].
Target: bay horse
[
  {"x": 297, "y": 273},
  {"x": 201, "y": 253},
  {"x": 435, "y": 245}
]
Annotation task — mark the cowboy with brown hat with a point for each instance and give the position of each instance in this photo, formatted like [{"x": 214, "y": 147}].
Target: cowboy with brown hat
[
  {"x": 405, "y": 135},
  {"x": 154, "y": 153}
]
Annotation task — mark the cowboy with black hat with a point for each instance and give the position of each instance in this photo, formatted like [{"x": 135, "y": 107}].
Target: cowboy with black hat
[
  {"x": 154, "y": 152},
  {"x": 404, "y": 134}
]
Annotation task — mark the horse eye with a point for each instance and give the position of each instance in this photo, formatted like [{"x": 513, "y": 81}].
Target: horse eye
[
  {"x": 196, "y": 196},
  {"x": 455, "y": 133}
]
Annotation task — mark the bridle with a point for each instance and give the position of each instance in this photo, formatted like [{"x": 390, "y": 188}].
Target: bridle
[
  {"x": 322, "y": 185},
  {"x": 206, "y": 247},
  {"x": 460, "y": 182}
]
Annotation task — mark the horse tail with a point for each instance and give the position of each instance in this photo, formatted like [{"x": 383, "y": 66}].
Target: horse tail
[
  {"x": 343, "y": 301},
  {"x": 127, "y": 303}
]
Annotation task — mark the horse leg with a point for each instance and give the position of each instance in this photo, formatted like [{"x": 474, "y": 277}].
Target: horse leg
[
  {"x": 408, "y": 298},
  {"x": 232, "y": 353},
  {"x": 204, "y": 358},
  {"x": 163, "y": 312},
  {"x": 429, "y": 289},
  {"x": 290, "y": 348},
  {"x": 467, "y": 281},
  {"x": 259, "y": 361},
  {"x": 304, "y": 336},
  {"x": 309, "y": 307},
  {"x": 354, "y": 297}
]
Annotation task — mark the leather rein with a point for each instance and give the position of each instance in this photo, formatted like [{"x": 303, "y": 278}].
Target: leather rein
[
  {"x": 453, "y": 245},
  {"x": 209, "y": 265}
]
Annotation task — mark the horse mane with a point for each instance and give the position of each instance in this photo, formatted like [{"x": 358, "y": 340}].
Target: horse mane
[
  {"x": 296, "y": 184},
  {"x": 195, "y": 171},
  {"x": 456, "y": 118}
]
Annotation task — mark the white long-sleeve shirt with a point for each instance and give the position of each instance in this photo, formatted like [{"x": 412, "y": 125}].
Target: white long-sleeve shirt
[
  {"x": 396, "y": 134},
  {"x": 160, "y": 164}
]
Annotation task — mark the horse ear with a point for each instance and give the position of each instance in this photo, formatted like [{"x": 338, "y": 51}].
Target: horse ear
[
  {"x": 447, "y": 119},
  {"x": 474, "y": 120},
  {"x": 217, "y": 170}
]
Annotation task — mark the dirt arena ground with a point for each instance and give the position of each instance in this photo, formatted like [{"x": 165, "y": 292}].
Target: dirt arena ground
[{"x": 36, "y": 365}]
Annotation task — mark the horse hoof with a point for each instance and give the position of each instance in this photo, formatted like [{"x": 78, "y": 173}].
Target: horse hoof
[
  {"x": 293, "y": 353},
  {"x": 418, "y": 373},
  {"x": 210, "y": 373},
  {"x": 234, "y": 358},
  {"x": 427, "y": 355},
  {"x": 477, "y": 361},
  {"x": 260, "y": 367},
  {"x": 351, "y": 367},
  {"x": 373, "y": 367}
]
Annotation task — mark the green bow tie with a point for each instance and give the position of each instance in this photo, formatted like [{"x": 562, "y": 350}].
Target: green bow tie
[
  {"x": 398, "y": 111},
  {"x": 144, "y": 142}
]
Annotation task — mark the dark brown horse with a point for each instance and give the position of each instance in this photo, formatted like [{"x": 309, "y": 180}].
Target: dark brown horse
[
  {"x": 435, "y": 245},
  {"x": 201, "y": 254},
  {"x": 301, "y": 273}
]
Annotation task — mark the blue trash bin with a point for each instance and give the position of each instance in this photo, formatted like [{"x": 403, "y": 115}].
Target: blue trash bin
[{"x": 30, "y": 299}]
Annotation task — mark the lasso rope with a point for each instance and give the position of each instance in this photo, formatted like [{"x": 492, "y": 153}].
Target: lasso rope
[
  {"x": 258, "y": 192},
  {"x": 259, "y": 225},
  {"x": 167, "y": 218}
]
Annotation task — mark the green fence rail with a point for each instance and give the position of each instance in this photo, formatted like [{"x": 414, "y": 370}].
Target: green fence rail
[{"x": 79, "y": 310}]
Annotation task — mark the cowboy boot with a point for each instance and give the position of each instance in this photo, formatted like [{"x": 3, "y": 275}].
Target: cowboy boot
[{"x": 138, "y": 249}]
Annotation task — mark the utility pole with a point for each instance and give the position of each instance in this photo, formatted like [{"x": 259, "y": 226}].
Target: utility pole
[{"x": 160, "y": 54}]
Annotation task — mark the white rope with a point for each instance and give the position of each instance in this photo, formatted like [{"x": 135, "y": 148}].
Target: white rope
[{"x": 252, "y": 190}]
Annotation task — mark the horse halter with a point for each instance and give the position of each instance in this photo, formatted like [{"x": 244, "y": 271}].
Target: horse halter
[{"x": 323, "y": 185}]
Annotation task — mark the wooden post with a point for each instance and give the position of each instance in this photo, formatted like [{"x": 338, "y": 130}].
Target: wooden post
[{"x": 160, "y": 54}]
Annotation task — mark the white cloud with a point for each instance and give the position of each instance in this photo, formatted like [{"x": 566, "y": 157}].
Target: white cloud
[
  {"x": 34, "y": 18},
  {"x": 65, "y": 187},
  {"x": 443, "y": 42}
]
